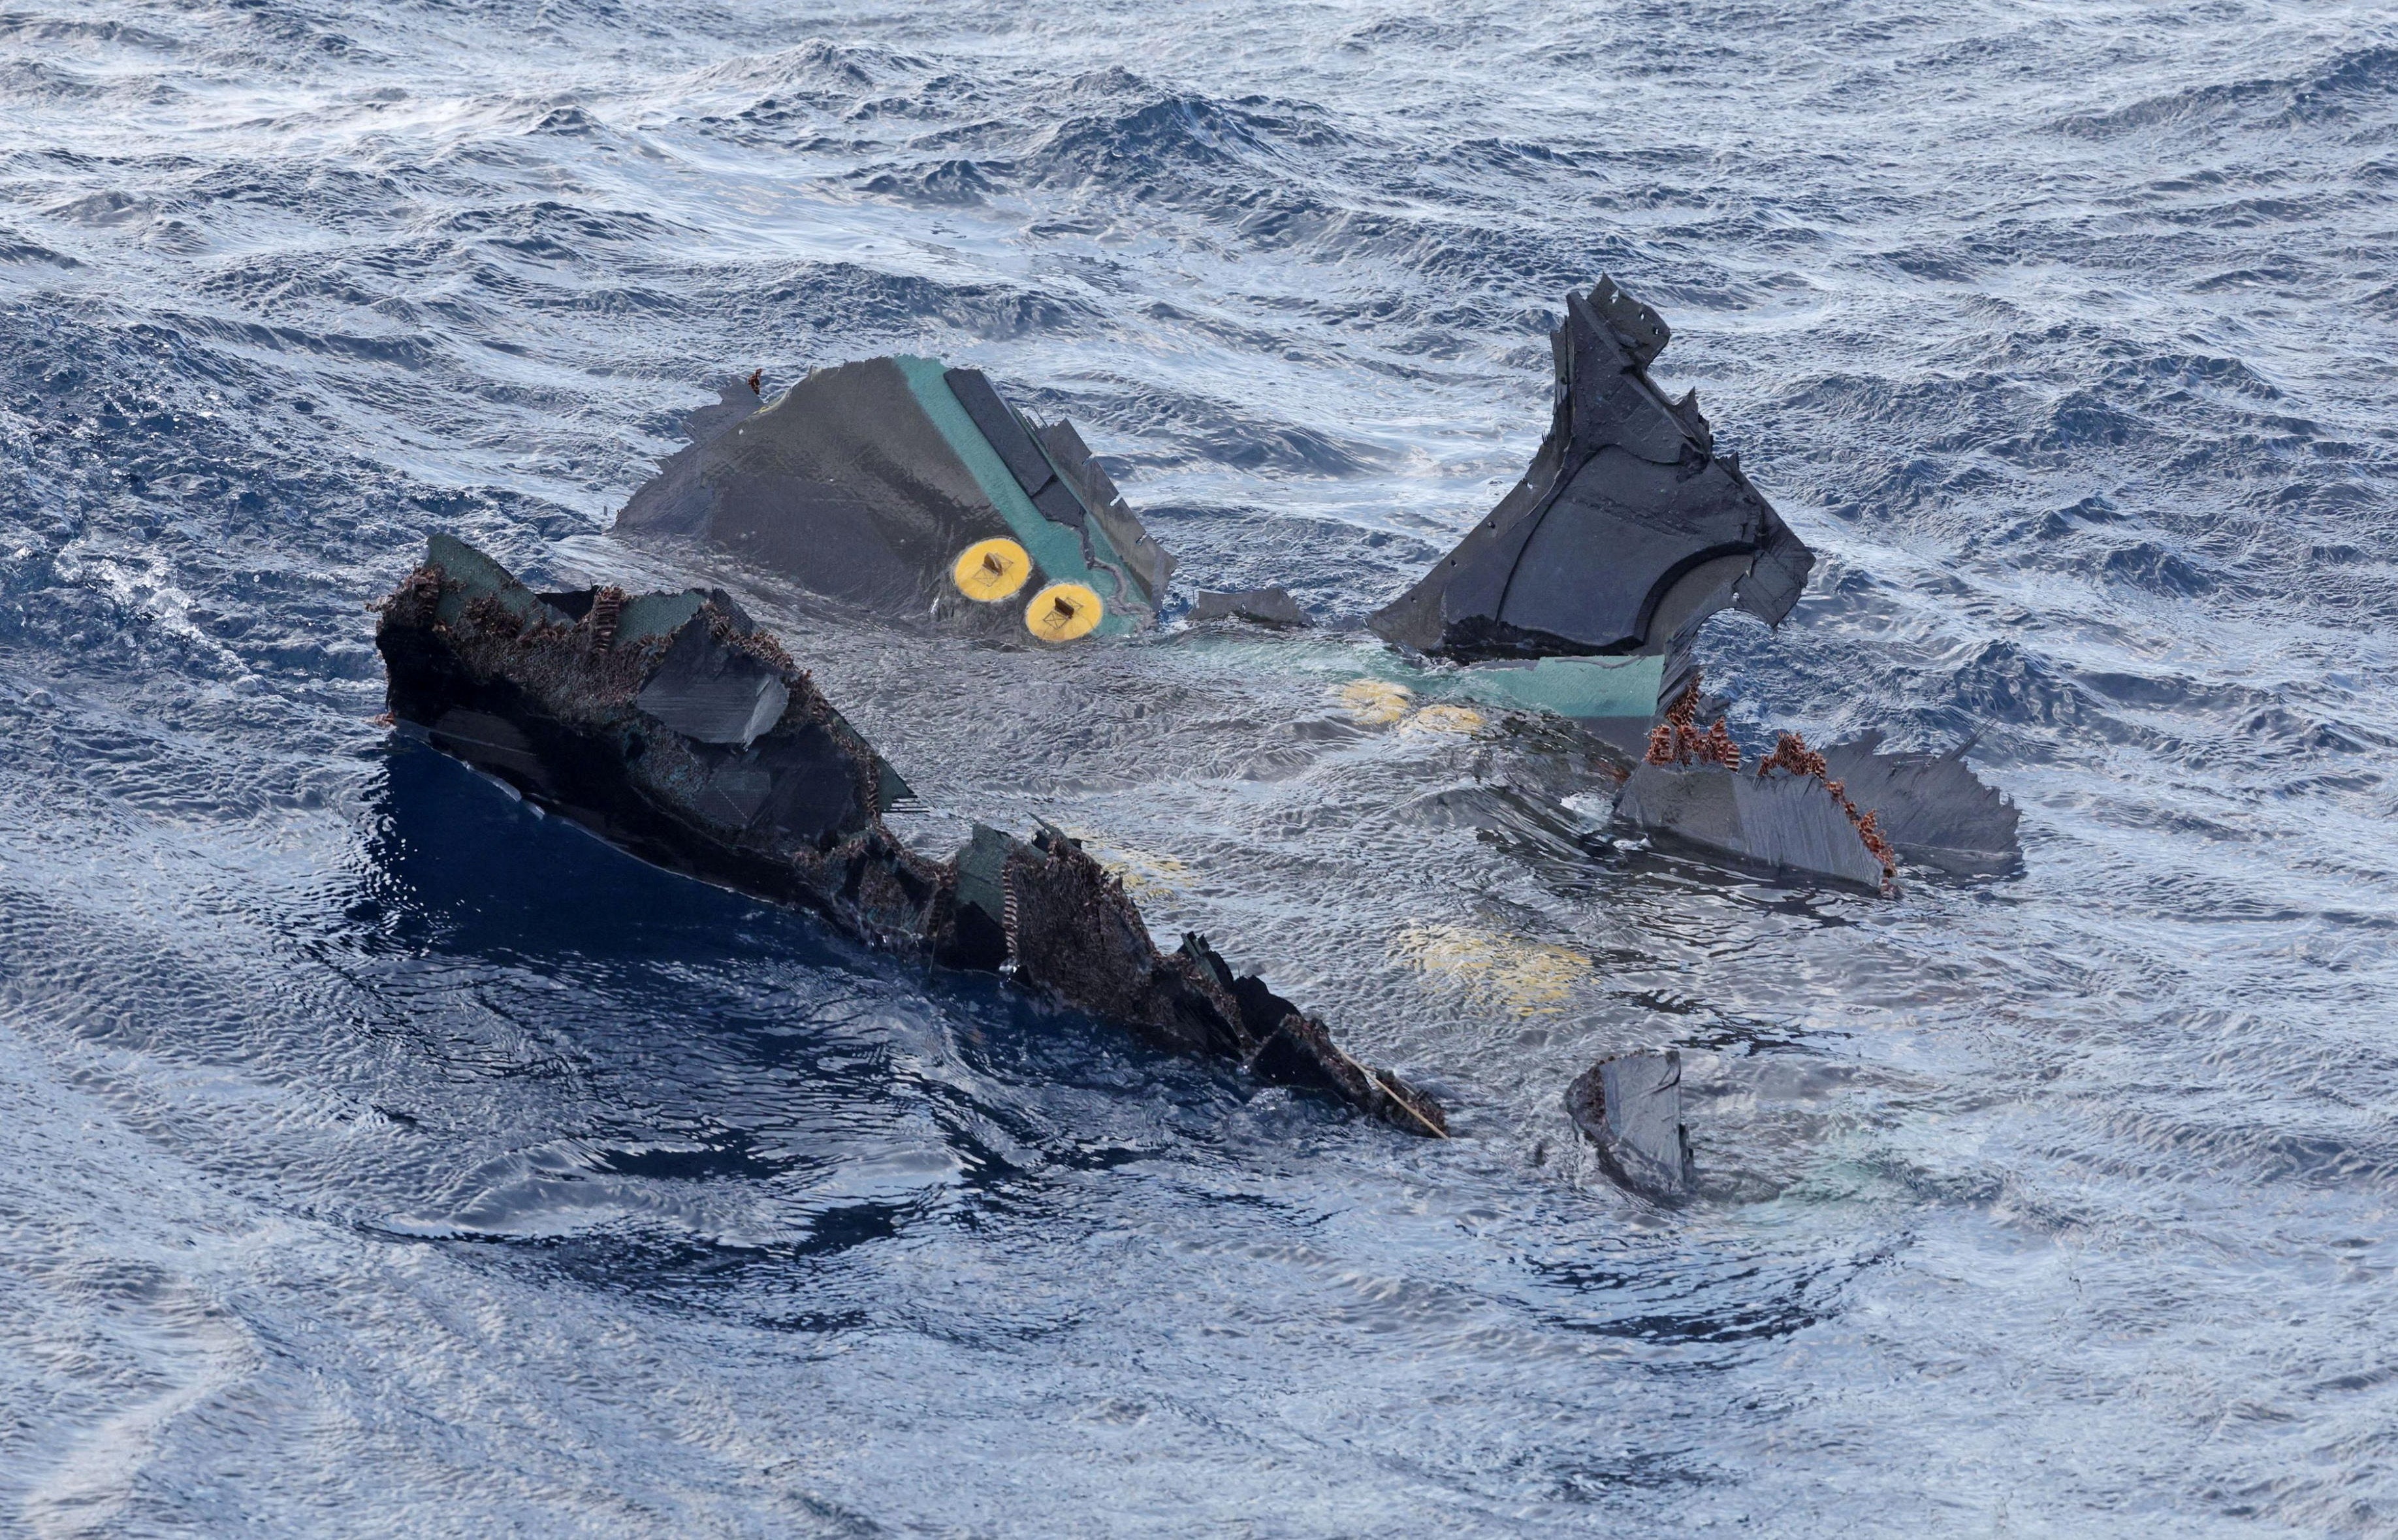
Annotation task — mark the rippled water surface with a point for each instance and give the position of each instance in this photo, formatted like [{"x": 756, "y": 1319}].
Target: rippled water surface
[{"x": 377, "y": 1157}]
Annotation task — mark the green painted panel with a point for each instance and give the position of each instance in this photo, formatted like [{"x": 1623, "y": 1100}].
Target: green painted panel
[
  {"x": 1055, "y": 549},
  {"x": 1572, "y": 686}
]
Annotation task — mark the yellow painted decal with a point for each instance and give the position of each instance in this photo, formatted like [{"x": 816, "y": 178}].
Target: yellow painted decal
[
  {"x": 1062, "y": 612},
  {"x": 992, "y": 570}
]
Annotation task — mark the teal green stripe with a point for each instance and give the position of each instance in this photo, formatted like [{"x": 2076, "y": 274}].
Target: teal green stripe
[
  {"x": 1573, "y": 686},
  {"x": 1056, "y": 550}
]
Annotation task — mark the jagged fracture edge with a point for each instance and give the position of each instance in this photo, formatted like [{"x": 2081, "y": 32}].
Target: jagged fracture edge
[
  {"x": 1626, "y": 531},
  {"x": 675, "y": 728}
]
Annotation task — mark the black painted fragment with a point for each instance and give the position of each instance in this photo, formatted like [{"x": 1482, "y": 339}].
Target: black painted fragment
[
  {"x": 711, "y": 693},
  {"x": 1149, "y": 560},
  {"x": 847, "y": 485},
  {"x": 999, "y": 426},
  {"x": 1626, "y": 531},
  {"x": 1776, "y": 823},
  {"x": 1932, "y": 806},
  {"x": 1273, "y": 608}
]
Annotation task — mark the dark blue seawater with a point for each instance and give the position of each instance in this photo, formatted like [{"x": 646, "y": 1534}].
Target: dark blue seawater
[{"x": 378, "y": 1158}]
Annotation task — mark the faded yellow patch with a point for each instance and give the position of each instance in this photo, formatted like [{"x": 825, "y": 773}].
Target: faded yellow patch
[
  {"x": 1144, "y": 873},
  {"x": 1462, "y": 720},
  {"x": 1374, "y": 702},
  {"x": 1529, "y": 976}
]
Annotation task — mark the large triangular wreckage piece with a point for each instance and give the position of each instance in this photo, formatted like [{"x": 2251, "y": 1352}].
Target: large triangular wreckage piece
[
  {"x": 1627, "y": 533},
  {"x": 670, "y": 725},
  {"x": 899, "y": 485}
]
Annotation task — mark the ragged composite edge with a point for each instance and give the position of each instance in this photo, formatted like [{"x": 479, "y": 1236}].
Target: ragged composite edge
[
  {"x": 672, "y": 726},
  {"x": 916, "y": 490}
]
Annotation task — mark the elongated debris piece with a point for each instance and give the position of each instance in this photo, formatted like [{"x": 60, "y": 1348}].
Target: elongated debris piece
[{"x": 672, "y": 726}]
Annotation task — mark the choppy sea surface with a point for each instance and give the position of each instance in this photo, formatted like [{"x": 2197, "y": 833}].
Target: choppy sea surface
[{"x": 378, "y": 1157}]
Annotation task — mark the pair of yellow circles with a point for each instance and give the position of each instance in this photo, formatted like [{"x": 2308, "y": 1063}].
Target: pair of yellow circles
[{"x": 993, "y": 570}]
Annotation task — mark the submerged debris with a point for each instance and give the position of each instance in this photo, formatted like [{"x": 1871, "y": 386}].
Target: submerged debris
[
  {"x": 1792, "y": 756},
  {"x": 673, "y": 727},
  {"x": 1273, "y": 608},
  {"x": 1849, "y": 813},
  {"x": 1782, "y": 822},
  {"x": 1930, "y": 806},
  {"x": 1630, "y": 1109}
]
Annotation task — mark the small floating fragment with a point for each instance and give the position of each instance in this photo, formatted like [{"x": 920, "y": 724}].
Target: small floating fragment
[
  {"x": 1273, "y": 608},
  {"x": 1630, "y": 1109},
  {"x": 1781, "y": 822}
]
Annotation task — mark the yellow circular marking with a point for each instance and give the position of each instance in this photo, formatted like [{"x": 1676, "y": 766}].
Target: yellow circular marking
[
  {"x": 1062, "y": 612},
  {"x": 992, "y": 570}
]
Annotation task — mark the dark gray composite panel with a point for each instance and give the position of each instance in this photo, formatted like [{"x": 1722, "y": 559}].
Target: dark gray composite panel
[{"x": 1626, "y": 498}]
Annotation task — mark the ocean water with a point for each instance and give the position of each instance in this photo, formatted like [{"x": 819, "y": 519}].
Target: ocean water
[{"x": 380, "y": 1157}]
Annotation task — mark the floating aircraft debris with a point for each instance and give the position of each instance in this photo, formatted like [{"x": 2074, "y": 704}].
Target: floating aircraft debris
[
  {"x": 1273, "y": 608},
  {"x": 1627, "y": 531},
  {"x": 672, "y": 726},
  {"x": 916, "y": 489},
  {"x": 903, "y": 486},
  {"x": 1630, "y": 1108},
  {"x": 1850, "y": 812},
  {"x": 912, "y": 488}
]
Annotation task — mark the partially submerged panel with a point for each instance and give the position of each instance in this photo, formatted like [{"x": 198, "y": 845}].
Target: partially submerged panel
[
  {"x": 1613, "y": 698},
  {"x": 1628, "y": 530},
  {"x": 907, "y": 488},
  {"x": 1932, "y": 806},
  {"x": 1272, "y": 607},
  {"x": 1630, "y": 1108},
  {"x": 674, "y": 728},
  {"x": 1850, "y": 812},
  {"x": 1779, "y": 823}
]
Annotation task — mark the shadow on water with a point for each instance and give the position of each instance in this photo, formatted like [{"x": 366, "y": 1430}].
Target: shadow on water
[
  {"x": 457, "y": 863},
  {"x": 675, "y": 988}
]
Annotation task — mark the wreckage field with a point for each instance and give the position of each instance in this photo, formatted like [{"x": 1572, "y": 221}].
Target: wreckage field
[{"x": 1777, "y": 623}]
